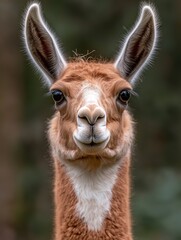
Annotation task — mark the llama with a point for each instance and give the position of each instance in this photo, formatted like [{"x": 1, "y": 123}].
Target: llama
[{"x": 91, "y": 133}]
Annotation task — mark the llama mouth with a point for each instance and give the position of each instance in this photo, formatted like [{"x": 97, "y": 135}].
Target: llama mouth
[{"x": 91, "y": 146}]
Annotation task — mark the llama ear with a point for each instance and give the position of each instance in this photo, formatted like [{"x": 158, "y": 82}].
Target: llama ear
[
  {"x": 42, "y": 46},
  {"x": 138, "y": 46}
]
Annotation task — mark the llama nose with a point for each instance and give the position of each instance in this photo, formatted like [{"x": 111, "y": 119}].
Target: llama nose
[{"x": 91, "y": 114}]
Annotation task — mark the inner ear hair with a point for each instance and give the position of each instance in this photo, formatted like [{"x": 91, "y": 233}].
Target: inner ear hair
[
  {"x": 42, "y": 46},
  {"x": 139, "y": 45}
]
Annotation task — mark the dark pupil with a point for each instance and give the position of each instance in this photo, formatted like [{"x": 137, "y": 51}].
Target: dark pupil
[
  {"x": 57, "y": 96},
  {"x": 125, "y": 95}
]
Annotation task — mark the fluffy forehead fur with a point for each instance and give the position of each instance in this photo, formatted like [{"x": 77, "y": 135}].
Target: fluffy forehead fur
[{"x": 101, "y": 76}]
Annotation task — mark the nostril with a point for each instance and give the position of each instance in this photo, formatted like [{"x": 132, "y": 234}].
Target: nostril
[
  {"x": 86, "y": 118},
  {"x": 91, "y": 121},
  {"x": 91, "y": 116},
  {"x": 99, "y": 118},
  {"x": 82, "y": 117}
]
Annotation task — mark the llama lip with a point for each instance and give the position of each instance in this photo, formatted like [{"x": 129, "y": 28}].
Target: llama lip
[
  {"x": 91, "y": 142},
  {"x": 92, "y": 145},
  {"x": 91, "y": 136}
]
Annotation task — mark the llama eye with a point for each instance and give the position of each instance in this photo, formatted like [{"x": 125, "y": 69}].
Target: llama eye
[
  {"x": 124, "y": 96},
  {"x": 57, "y": 96}
]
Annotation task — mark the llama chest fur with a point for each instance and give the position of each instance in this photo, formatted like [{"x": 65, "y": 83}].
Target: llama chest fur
[
  {"x": 93, "y": 190},
  {"x": 87, "y": 209}
]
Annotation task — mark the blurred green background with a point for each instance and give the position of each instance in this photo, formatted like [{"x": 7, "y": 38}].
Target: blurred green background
[{"x": 26, "y": 174}]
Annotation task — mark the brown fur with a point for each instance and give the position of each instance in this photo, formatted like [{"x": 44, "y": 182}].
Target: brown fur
[
  {"x": 69, "y": 227},
  {"x": 91, "y": 132},
  {"x": 67, "y": 224}
]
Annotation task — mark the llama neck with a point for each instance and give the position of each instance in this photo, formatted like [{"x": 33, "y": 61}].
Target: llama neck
[{"x": 84, "y": 210}]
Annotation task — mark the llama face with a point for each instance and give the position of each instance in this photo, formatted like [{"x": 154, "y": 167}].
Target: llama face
[
  {"x": 92, "y": 107},
  {"x": 91, "y": 98}
]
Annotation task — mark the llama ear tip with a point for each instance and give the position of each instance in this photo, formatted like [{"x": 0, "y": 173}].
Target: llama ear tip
[
  {"x": 148, "y": 9},
  {"x": 33, "y": 8},
  {"x": 34, "y": 5}
]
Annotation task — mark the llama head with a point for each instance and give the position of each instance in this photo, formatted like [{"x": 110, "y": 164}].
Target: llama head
[{"x": 91, "y": 98}]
